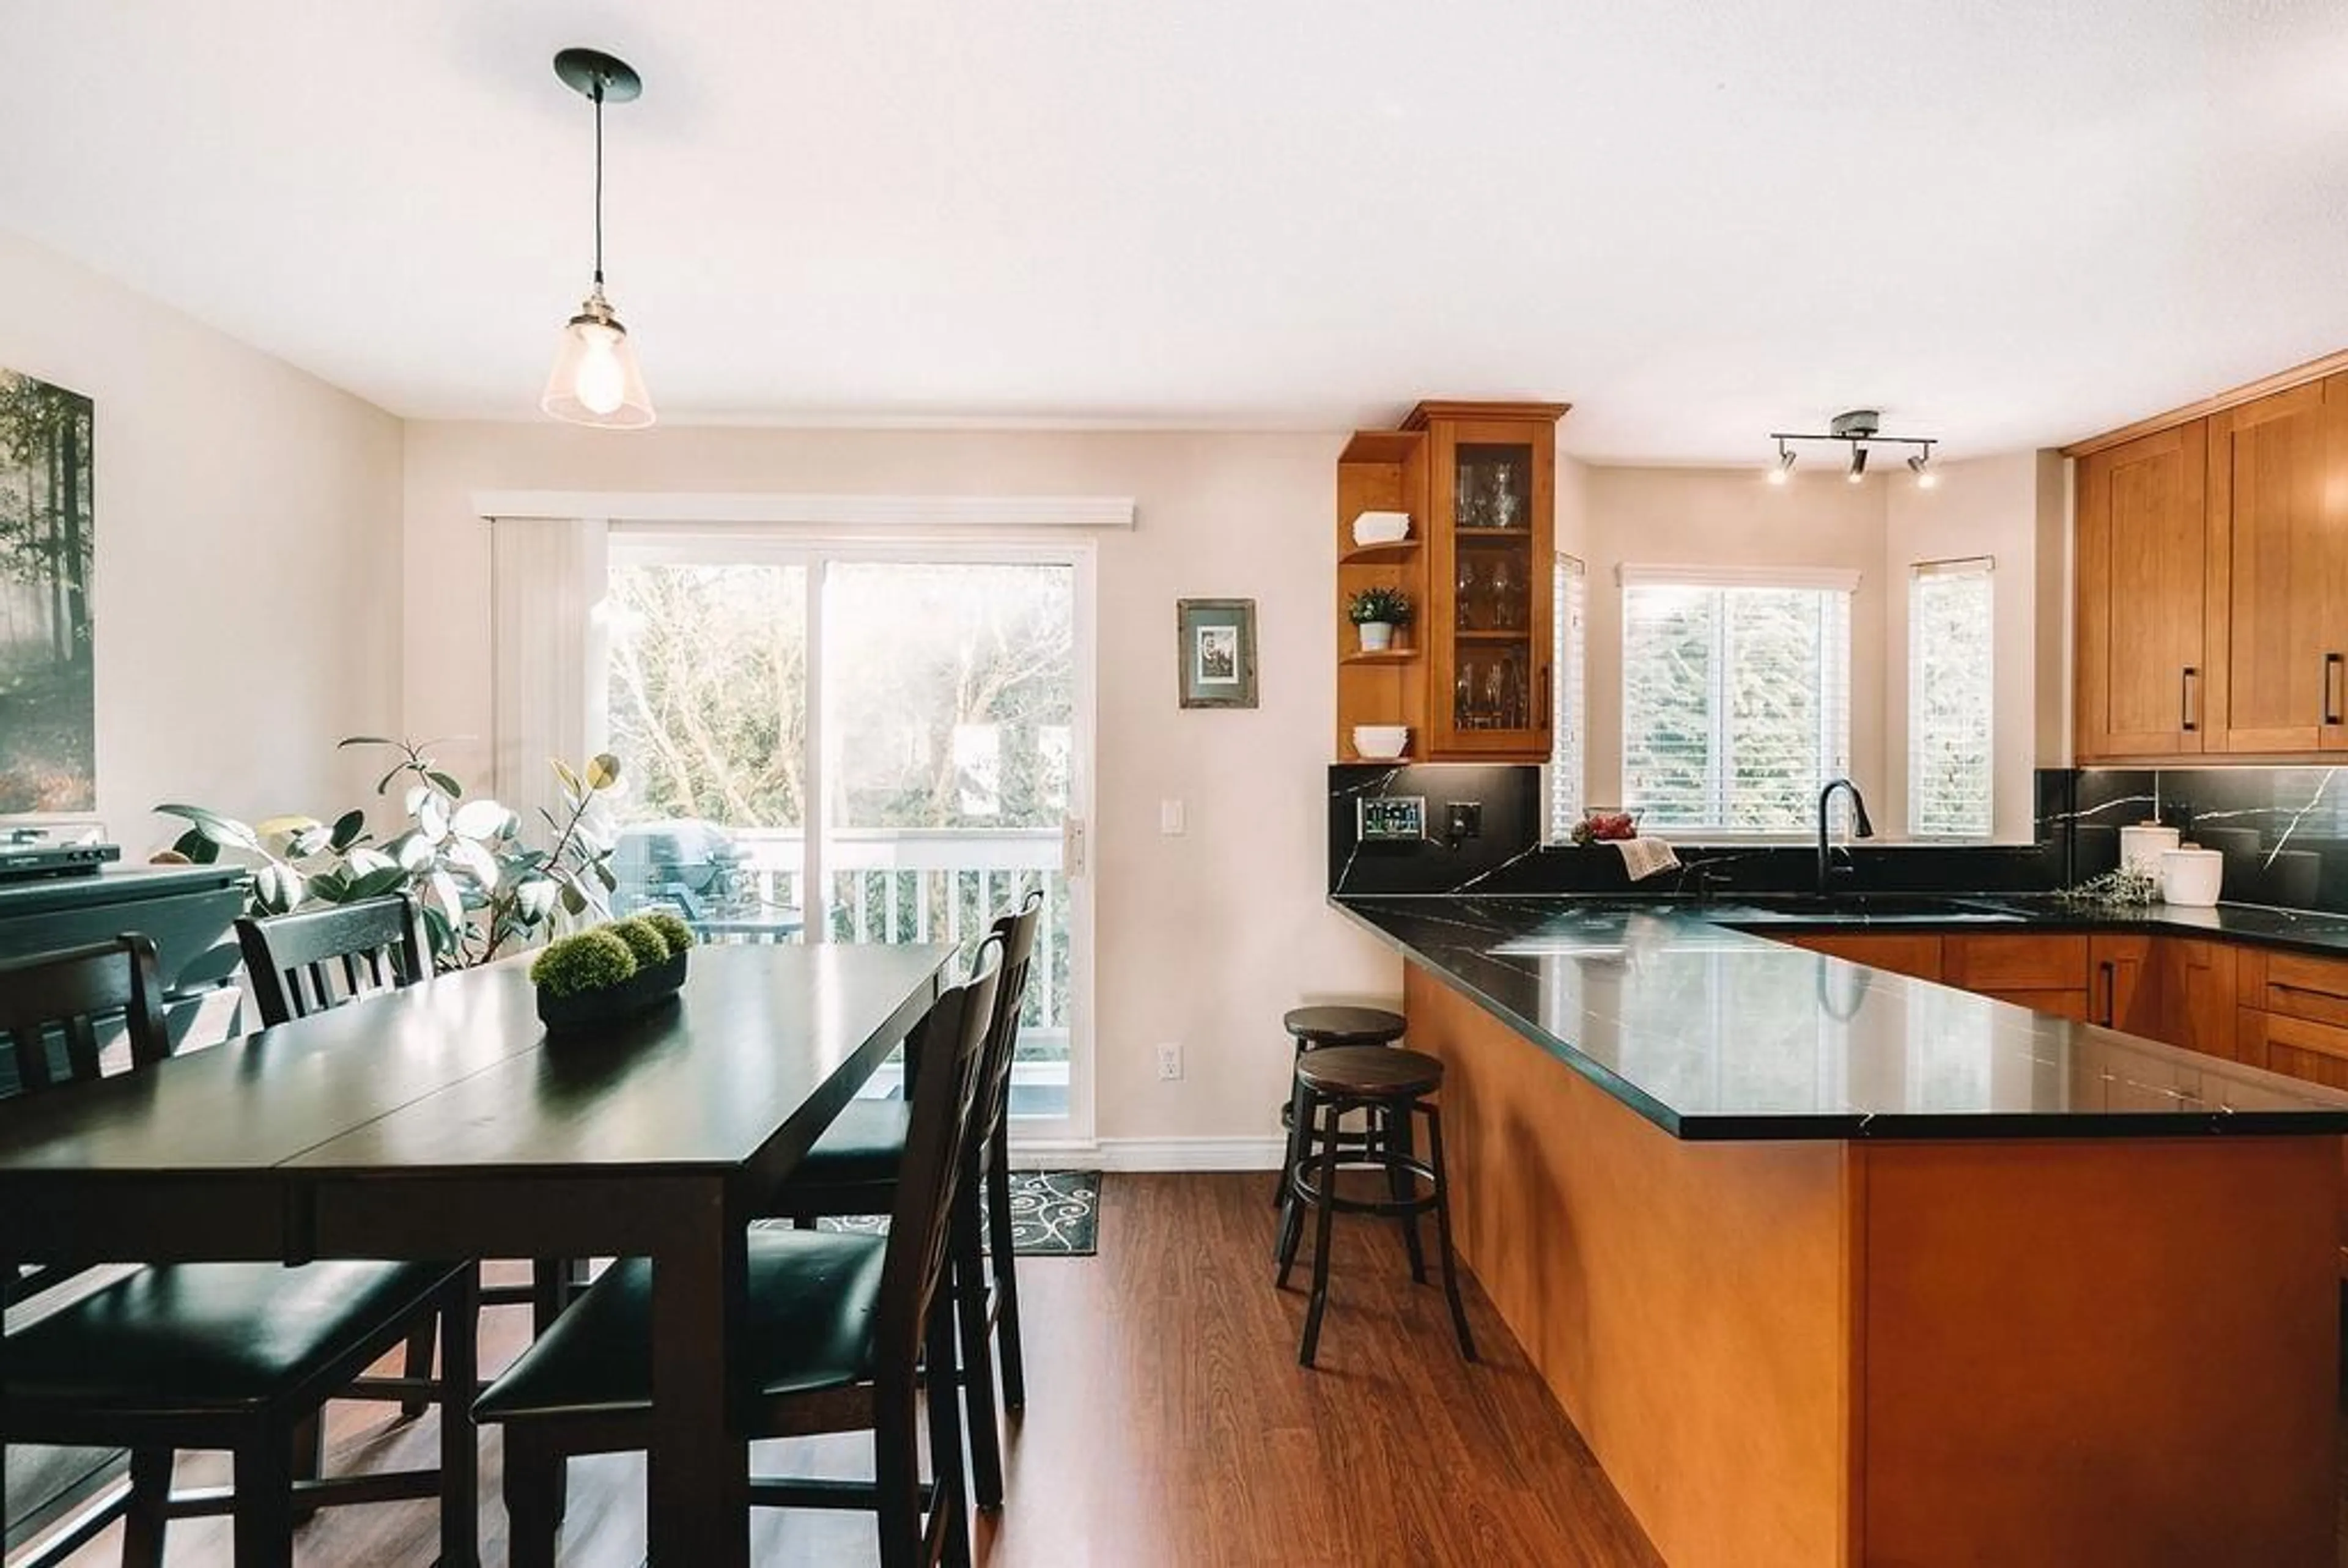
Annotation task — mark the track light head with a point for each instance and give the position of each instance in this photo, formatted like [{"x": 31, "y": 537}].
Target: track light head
[
  {"x": 1785, "y": 469},
  {"x": 1857, "y": 470},
  {"x": 1920, "y": 466}
]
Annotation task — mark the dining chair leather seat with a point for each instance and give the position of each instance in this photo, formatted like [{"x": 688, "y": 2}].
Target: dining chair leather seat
[
  {"x": 811, "y": 1299},
  {"x": 865, "y": 1143},
  {"x": 210, "y": 1336}
]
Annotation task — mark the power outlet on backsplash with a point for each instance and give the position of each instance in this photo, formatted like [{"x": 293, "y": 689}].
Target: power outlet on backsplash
[{"x": 1463, "y": 820}]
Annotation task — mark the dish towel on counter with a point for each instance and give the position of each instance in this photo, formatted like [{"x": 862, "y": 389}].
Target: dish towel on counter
[{"x": 1646, "y": 858}]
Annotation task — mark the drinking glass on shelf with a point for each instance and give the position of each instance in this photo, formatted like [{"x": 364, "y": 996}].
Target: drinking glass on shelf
[
  {"x": 1469, "y": 591},
  {"x": 1463, "y": 698},
  {"x": 1506, "y": 504},
  {"x": 1467, "y": 496},
  {"x": 1504, "y": 596}
]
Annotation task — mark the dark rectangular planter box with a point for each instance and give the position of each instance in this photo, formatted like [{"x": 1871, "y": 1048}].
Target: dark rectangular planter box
[{"x": 640, "y": 992}]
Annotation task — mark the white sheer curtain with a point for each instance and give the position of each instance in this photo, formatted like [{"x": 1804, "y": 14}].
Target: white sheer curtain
[{"x": 548, "y": 578}]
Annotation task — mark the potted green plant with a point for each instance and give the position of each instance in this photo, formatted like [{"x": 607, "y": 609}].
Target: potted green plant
[
  {"x": 1376, "y": 611},
  {"x": 484, "y": 889},
  {"x": 609, "y": 973}
]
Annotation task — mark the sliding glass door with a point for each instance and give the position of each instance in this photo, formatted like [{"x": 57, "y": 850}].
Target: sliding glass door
[{"x": 858, "y": 744}]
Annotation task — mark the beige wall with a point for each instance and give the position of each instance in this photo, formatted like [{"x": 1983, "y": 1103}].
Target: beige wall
[
  {"x": 246, "y": 600},
  {"x": 1729, "y": 516},
  {"x": 1989, "y": 507},
  {"x": 1204, "y": 938},
  {"x": 2010, "y": 506}
]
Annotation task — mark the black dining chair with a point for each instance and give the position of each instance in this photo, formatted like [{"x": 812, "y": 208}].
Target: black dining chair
[
  {"x": 837, "y": 1332},
  {"x": 852, "y": 1170},
  {"x": 314, "y": 959},
  {"x": 239, "y": 1356}
]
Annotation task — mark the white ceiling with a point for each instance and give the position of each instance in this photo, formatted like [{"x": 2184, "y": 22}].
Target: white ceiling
[{"x": 2006, "y": 222}]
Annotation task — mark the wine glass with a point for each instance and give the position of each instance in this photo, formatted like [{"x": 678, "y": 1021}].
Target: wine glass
[
  {"x": 1504, "y": 596},
  {"x": 1506, "y": 503},
  {"x": 1470, "y": 592}
]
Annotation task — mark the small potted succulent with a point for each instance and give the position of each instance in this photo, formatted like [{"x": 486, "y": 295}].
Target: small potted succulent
[
  {"x": 1378, "y": 611},
  {"x": 610, "y": 973}
]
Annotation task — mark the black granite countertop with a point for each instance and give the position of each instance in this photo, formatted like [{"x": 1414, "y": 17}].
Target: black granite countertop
[
  {"x": 2297, "y": 931},
  {"x": 1712, "y": 1033}
]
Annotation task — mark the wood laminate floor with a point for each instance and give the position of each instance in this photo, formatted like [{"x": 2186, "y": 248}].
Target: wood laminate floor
[{"x": 1168, "y": 1424}]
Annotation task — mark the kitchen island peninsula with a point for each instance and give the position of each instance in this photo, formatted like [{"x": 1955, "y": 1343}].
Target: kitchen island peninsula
[{"x": 1832, "y": 1266}]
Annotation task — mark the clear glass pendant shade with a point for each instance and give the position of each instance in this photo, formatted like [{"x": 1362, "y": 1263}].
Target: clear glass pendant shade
[{"x": 595, "y": 379}]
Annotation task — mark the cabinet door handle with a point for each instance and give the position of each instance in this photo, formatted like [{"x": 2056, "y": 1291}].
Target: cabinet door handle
[
  {"x": 2331, "y": 669},
  {"x": 2111, "y": 991},
  {"x": 2185, "y": 700}
]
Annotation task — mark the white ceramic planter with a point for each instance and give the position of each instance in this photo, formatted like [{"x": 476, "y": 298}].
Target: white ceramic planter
[{"x": 1376, "y": 635}]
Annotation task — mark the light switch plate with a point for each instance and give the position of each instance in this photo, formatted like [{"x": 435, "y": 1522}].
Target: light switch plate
[{"x": 1172, "y": 818}]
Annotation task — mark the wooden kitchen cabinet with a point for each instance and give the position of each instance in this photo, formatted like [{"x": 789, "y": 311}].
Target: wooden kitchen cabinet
[
  {"x": 1492, "y": 554},
  {"x": 2277, "y": 555},
  {"x": 1914, "y": 954},
  {"x": 2211, "y": 577},
  {"x": 2121, "y": 992},
  {"x": 1471, "y": 675},
  {"x": 2193, "y": 994},
  {"x": 2014, "y": 961},
  {"x": 2142, "y": 604},
  {"x": 2071, "y": 1004}
]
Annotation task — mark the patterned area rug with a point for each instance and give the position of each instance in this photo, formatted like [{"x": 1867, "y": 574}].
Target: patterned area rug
[{"x": 1054, "y": 1213}]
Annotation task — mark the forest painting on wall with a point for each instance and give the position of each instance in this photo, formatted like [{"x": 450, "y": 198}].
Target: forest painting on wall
[{"x": 48, "y": 713}]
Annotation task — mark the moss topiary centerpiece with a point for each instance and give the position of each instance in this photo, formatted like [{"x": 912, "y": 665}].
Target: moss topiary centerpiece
[{"x": 611, "y": 973}]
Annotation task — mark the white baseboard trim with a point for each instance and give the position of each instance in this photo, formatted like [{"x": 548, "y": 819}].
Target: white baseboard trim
[{"x": 1151, "y": 1154}]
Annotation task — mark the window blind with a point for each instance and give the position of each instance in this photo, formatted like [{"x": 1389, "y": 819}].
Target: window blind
[
  {"x": 1952, "y": 678},
  {"x": 1569, "y": 755},
  {"x": 1736, "y": 698}
]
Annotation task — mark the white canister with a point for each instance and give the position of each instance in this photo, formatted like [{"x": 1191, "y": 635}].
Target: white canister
[
  {"x": 2143, "y": 845},
  {"x": 2191, "y": 877}
]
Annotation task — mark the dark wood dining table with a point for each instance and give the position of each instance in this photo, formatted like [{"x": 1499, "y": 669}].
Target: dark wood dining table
[{"x": 442, "y": 1122}]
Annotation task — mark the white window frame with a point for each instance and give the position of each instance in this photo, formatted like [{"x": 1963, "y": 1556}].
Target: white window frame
[
  {"x": 1568, "y": 763},
  {"x": 1984, "y": 569},
  {"x": 1818, "y": 579}
]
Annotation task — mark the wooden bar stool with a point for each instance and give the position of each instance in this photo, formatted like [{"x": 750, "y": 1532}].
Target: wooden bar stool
[
  {"x": 1392, "y": 1086},
  {"x": 1313, "y": 1028}
]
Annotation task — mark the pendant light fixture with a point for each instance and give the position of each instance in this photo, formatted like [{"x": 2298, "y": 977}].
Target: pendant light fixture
[{"x": 595, "y": 379}]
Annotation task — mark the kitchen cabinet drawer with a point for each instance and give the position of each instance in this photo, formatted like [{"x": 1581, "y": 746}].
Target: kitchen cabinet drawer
[
  {"x": 1901, "y": 954},
  {"x": 2015, "y": 962},
  {"x": 2072, "y": 1004},
  {"x": 2297, "y": 1047},
  {"x": 2295, "y": 985}
]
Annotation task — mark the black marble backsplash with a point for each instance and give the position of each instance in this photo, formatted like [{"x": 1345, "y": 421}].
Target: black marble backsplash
[
  {"x": 2283, "y": 830},
  {"x": 1509, "y": 859}
]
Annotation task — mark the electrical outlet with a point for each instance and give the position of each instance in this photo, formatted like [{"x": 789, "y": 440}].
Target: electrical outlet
[
  {"x": 1170, "y": 1063},
  {"x": 1465, "y": 819}
]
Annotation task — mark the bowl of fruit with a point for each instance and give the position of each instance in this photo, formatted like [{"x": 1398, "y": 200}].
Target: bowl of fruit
[{"x": 1605, "y": 824}]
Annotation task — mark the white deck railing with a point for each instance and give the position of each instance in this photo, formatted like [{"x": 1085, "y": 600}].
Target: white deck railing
[{"x": 932, "y": 885}]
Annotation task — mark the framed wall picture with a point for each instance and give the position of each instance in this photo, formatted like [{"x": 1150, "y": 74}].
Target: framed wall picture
[
  {"x": 1215, "y": 642},
  {"x": 48, "y": 708}
]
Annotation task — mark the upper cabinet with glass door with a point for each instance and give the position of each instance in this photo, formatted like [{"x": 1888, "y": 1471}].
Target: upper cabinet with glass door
[
  {"x": 1468, "y": 676},
  {"x": 1492, "y": 549}
]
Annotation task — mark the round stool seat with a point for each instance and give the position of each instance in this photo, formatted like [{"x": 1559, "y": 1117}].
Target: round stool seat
[
  {"x": 1317, "y": 1027},
  {"x": 1368, "y": 1072}
]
